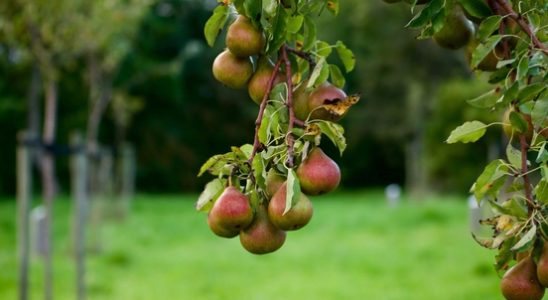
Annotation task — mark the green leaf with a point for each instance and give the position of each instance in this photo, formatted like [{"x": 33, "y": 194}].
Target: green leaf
[
  {"x": 215, "y": 24},
  {"x": 542, "y": 155},
  {"x": 475, "y": 8},
  {"x": 264, "y": 129},
  {"x": 269, "y": 7},
  {"x": 540, "y": 112},
  {"x": 523, "y": 68},
  {"x": 293, "y": 190},
  {"x": 333, "y": 6},
  {"x": 279, "y": 30},
  {"x": 426, "y": 14},
  {"x": 514, "y": 208},
  {"x": 541, "y": 191},
  {"x": 253, "y": 8},
  {"x": 488, "y": 26},
  {"x": 527, "y": 239},
  {"x": 347, "y": 57},
  {"x": 514, "y": 156},
  {"x": 335, "y": 132},
  {"x": 211, "y": 192},
  {"x": 216, "y": 163},
  {"x": 259, "y": 170},
  {"x": 467, "y": 132},
  {"x": 482, "y": 50},
  {"x": 530, "y": 92},
  {"x": 518, "y": 122},
  {"x": 337, "y": 77},
  {"x": 486, "y": 100},
  {"x": 323, "y": 48},
  {"x": 309, "y": 33},
  {"x": 315, "y": 75},
  {"x": 295, "y": 23},
  {"x": 491, "y": 175}
]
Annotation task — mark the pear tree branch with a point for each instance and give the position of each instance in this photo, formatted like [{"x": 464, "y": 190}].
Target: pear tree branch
[
  {"x": 262, "y": 107},
  {"x": 504, "y": 8},
  {"x": 290, "y": 139}
]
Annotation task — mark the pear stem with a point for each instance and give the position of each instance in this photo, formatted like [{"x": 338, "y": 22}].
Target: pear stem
[
  {"x": 262, "y": 107},
  {"x": 503, "y": 8},
  {"x": 290, "y": 139}
]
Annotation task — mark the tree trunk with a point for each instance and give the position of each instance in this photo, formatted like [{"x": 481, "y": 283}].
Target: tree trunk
[
  {"x": 48, "y": 180},
  {"x": 24, "y": 200}
]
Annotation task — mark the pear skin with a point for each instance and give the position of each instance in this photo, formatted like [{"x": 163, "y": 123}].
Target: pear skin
[
  {"x": 230, "y": 213},
  {"x": 318, "y": 174},
  {"x": 542, "y": 265},
  {"x": 243, "y": 39},
  {"x": 262, "y": 236},
  {"x": 326, "y": 93},
  {"x": 521, "y": 283},
  {"x": 456, "y": 32},
  {"x": 297, "y": 217},
  {"x": 232, "y": 71}
]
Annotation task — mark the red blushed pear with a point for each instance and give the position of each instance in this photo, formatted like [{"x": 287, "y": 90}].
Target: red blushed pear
[
  {"x": 230, "y": 213},
  {"x": 318, "y": 174},
  {"x": 542, "y": 265},
  {"x": 243, "y": 39},
  {"x": 232, "y": 71},
  {"x": 521, "y": 283},
  {"x": 273, "y": 182},
  {"x": 297, "y": 217},
  {"x": 324, "y": 94},
  {"x": 262, "y": 236}
]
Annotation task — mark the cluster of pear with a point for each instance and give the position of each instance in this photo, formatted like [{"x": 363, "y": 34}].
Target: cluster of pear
[
  {"x": 234, "y": 67},
  {"x": 458, "y": 31},
  {"x": 262, "y": 229},
  {"x": 528, "y": 279}
]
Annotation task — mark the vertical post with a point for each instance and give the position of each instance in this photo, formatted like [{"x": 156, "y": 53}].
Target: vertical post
[
  {"x": 127, "y": 177},
  {"x": 24, "y": 192},
  {"x": 80, "y": 208}
]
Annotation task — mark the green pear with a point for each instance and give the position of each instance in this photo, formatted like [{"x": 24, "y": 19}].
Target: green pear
[
  {"x": 259, "y": 81},
  {"x": 262, "y": 236},
  {"x": 232, "y": 71},
  {"x": 243, "y": 39},
  {"x": 230, "y": 213},
  {"x": 326, "y": 93},
  {"x": 318, "y": 174},
  {"x": 542, "y": 265},
  {"x": 295, "y": 218},
  {"x": 300, "y": 102},
  {"x": 521, "y": 283},
  {"x": 273, "y": 182},
  {"x": 456, "y": 31}
]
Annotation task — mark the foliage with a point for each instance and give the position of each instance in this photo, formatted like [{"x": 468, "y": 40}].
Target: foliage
[{"x": 515, "y": 32}]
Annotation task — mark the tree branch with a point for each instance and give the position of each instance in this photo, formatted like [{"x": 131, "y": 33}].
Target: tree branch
[
  {"x": 290, "y": 139},
  {"x": 506, "y": 9},
  {"x": 262, "y": 107}
]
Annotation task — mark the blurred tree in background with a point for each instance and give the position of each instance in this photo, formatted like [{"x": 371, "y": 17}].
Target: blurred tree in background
[{"x": 149, "y": 69}]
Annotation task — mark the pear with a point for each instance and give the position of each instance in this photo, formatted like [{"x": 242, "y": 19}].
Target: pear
[
  {"x": 231, "y": 70},
  {"x": 295, "y": 218},
  {"x": 262, "y": 236},
  {"x": 318, "y": 174},
  {"x": 542, "y": 266},
  {"x": 326, "y": 93},
  {"x": 521, "y": 283},
  {"x": 489, "y": 63},
  {"x": 230, "y": 213},
  {"x": 243, "y": 39},
  {"x": 456, "y": 31},
  {"x": 259, "y": 81},
  {"x": 300, "y": 102},
  {"x": 273, "y": 182}
]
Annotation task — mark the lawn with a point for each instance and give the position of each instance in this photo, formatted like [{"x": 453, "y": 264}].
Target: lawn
[{"x": 354, "y": 248}]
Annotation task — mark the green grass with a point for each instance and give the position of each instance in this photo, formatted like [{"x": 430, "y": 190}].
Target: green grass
[{"x": 354, "y": 248}]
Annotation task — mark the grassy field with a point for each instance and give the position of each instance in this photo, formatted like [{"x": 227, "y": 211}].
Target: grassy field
[{"x": 354, "y": 248}]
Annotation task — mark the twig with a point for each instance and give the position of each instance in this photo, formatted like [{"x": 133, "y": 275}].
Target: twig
[
  {"x": 304, "y": 55},
  {"x": 505, "y": 8},
  {"x": 262, "y": 107},
  {"x": 290, "y": 161}
]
